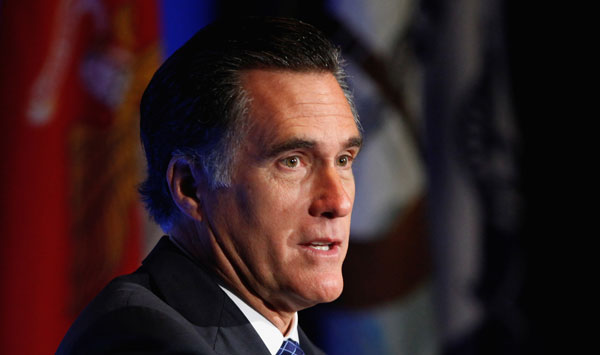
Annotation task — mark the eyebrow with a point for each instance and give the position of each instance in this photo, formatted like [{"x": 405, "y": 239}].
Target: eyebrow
[
  {"x": 291, "y": 144},
  {"x": 298, "y": 143},
  {"x": 354, "y": 142}
]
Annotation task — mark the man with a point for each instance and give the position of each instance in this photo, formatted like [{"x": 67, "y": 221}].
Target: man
[{"x": 249, "y": 134}]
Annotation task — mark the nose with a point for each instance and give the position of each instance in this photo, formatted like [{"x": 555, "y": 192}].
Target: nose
[{"x": 333, "y": 195}]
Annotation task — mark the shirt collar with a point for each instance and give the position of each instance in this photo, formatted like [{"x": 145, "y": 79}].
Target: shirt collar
[{"x": 267, "y": 331}]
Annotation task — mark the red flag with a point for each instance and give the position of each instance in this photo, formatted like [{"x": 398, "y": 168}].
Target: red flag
[{"x": 71, "y": 76}]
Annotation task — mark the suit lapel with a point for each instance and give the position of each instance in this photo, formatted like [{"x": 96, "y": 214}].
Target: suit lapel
[
  {"x": 236, "y": 335},
  {"x": 194, "y": 293}
]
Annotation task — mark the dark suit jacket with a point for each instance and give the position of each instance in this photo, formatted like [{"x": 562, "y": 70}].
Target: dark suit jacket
[{"x": 169, "y": 305}]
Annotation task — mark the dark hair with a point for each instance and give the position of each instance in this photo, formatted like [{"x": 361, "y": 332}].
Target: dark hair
[{"x": 195, "y": 105}]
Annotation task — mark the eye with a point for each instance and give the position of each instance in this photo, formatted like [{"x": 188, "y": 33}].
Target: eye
[
  {"x": 291, "y": 162},
  {"x": 344, "y": 160}
]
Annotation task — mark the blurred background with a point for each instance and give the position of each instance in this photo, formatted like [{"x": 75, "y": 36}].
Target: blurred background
[{"x": 439, "y": 261}]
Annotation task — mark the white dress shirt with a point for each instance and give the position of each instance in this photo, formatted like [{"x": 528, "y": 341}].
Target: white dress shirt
[{"x": 267, "y": 331}]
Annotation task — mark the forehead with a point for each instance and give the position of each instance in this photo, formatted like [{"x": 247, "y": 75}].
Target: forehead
[{"x": 301, "y": 104}]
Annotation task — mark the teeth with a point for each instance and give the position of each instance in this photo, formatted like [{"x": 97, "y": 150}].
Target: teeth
[{"x": 320, "y": 246}]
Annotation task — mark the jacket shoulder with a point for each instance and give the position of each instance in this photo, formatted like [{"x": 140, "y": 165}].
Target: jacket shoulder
[{"x": 129, "y": 316}]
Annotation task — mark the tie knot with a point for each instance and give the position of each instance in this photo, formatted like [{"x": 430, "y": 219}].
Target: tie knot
[{"x": 290, "y": 347}]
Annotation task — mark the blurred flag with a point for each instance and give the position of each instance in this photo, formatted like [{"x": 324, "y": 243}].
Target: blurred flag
[
  {"x": 71, "y": 76},
  {"x": 475, "y": 179}
]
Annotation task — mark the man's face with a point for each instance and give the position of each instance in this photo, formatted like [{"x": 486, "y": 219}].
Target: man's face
[{"x": 284, "y": 222}]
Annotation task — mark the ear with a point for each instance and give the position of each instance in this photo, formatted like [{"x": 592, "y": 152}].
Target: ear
[{"x": 183, "y": 184}]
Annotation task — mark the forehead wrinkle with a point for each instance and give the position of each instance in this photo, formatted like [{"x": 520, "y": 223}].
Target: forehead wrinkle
[
  {"x": 321, "y": 108},
  {"x": 292, "y": 126},
  {"x": 274, "y": 140}
]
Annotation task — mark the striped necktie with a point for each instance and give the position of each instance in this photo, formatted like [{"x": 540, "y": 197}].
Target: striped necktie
[{"x": 290, "y": 347}]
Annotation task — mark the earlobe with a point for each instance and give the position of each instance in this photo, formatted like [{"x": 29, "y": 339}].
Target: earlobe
[{"x": 183, "y": 186}]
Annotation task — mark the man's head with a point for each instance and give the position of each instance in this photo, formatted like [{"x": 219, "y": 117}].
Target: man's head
[
  {"x": 250, "y": 135},
  {"x": 196, "y": 106}
]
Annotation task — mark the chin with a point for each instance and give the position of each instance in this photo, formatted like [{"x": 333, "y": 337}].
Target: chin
[{"x": 329, "y": 290}]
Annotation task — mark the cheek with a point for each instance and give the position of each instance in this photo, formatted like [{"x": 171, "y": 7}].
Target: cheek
[
  {"x": 272, "y": 210},
  {"x": 283, "y": 198},
  {"x": 280, "y": 217},
  {"x": 280, "y": 214}
]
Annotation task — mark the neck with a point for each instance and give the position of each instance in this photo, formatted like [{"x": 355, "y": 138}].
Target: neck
[
  {"x": 205, "y": 249},
  {"x": 282, "y": 319}
]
